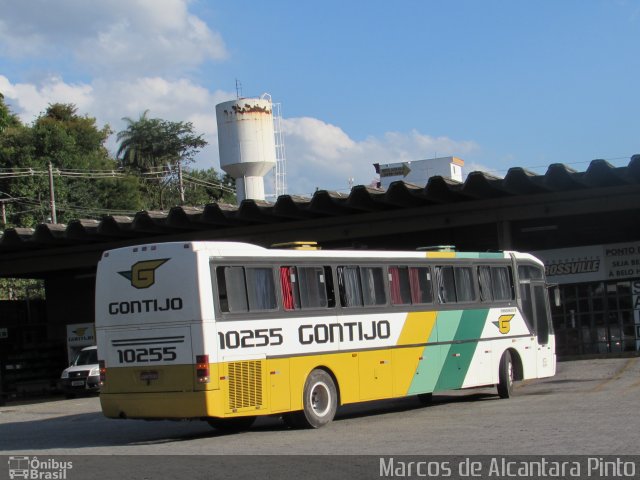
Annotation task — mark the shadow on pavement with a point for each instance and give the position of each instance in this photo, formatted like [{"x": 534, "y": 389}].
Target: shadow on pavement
[{"x": 90, "y": 430}]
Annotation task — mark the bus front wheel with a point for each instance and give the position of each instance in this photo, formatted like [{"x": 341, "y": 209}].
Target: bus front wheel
[
  {"x": 320, "y": 402},
  {"x": 505, "y": 376}
]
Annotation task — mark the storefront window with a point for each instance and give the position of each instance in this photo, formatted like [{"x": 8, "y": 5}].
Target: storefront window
[{"x": 595, "y": 317}]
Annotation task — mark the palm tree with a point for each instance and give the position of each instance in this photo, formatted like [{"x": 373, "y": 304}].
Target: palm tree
[
  {"x": 138, "y": 148},
  {"x": 154, "y": 142},
  {"x": 156, "y": 148}
]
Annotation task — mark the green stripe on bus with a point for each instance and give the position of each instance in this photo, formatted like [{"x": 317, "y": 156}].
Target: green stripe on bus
[
  {"x": 491, "y": 255},
  {"x": 471, "y": 324},
  {"x": 447, "y": 324},
  {"x": 456, "y": 365},
  {"x": 428, "y": 371},
  {"x": 445, "y": 367},
  {"x": 430, "y": 366},
  {"x": 457, "y": 356}
]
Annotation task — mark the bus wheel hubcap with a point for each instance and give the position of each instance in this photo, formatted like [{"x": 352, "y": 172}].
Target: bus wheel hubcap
[{"x": 320, "y": 399}]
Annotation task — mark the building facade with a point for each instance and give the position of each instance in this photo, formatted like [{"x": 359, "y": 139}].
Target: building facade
[
  {"x": 418, "y": 172},
  {"x": 600, "y": 292}
]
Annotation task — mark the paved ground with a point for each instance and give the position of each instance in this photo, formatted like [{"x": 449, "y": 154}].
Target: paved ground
[{"x": 590, "y": 407}]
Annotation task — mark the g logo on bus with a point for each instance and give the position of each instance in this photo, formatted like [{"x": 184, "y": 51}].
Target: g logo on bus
[
  {"x": 143, "y": 274},
  {"x": 504, "y": 323}
]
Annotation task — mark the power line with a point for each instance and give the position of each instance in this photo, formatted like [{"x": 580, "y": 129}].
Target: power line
[
  {"x": 199, "y": 181},
  {"x": 42, "y": 205},
  {"x": 155, "y": 174}
]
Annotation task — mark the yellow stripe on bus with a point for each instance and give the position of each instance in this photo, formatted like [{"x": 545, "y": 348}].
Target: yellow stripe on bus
[
  {"x": 441, "y": 255},
  {"x": 417, "y": 328}
]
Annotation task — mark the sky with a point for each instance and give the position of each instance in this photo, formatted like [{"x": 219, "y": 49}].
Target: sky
[{"x": 499, "y": 84}]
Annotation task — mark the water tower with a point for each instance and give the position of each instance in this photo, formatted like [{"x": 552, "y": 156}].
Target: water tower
[{"x": 246, "y": 143}]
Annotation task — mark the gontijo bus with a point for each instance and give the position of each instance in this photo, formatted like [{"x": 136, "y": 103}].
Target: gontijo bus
[{"x": 224, "y": 331}]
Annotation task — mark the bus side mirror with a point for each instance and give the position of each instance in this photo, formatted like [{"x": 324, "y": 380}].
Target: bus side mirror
[{"x": 556, "y": 296}]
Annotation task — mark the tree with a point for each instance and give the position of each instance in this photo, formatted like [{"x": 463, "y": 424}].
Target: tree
[
  {"x": 72, "y": 144},
  {"x": 7, "y": 119},
  {"x": 149, "y": 143},
  {"x": 156, "y": 149},
  {"x": 21, "y": 289},
  {"x": 137, "y": 149}
]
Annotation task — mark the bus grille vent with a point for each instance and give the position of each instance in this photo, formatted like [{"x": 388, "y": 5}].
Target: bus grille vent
[{"x": 245, "y": 384}]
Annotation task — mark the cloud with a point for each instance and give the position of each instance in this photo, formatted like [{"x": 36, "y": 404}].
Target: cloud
[
  {"x": 177, "y": 100},
  {"x": 321, "y": 140},
  {"x": 112, "y": 38},
  {"x": 321, "y": 155},
  {"x": 29, "y": 100}
]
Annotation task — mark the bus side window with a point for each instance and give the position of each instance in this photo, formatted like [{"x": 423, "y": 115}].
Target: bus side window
[
  {"x": 331, "y": 294},
  {"x": 465, "y": 286},
  {"x": 289, "y": 286},
  {"x": 502, "y": 283},
  {"x": 223, "y": 299},
  {"x": 372, "y": 280},
  {"x": 496, "y": 283},
  {"x": 421, "y": 285},
  {"x": 306, "y": 287},
  {"x": 232, "y": 292},
  {"x": 484, "y": 280},
  {"x": 410, "y": 285},
  {"x": 349, "y": 286},
  {"x": 313, "y": 287},
  {"x": 261, "y": 289},
  {"x": 446, "y": 284},
  {"x": 399, "y": 286}
]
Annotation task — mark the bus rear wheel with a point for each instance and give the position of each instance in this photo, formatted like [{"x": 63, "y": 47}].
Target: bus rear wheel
[
  {"x": 320, "y": 402},
  {"x": 234, "y": 424},
  {"x": 505, "y": 376}
]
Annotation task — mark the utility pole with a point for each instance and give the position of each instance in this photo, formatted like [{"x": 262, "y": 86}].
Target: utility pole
[
  {"x": 180, "y": 184},
  {"x": 4, "y": 212},
  {"x": 52, "y": 196}
]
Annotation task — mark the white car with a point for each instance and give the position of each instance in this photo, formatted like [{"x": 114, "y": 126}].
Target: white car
[{"x": 83, "y": 375}]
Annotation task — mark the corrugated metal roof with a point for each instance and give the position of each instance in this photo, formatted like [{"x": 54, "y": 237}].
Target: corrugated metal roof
[{"x": 361, "y": 199}]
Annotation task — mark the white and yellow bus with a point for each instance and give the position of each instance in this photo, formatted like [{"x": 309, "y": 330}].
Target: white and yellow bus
[{"x": 224, "y": 331}]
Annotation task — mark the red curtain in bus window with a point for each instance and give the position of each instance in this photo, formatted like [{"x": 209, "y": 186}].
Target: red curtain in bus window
[
  {"x": 287, "y": 292},
  {"x": 414, "y": 281},
  {"x": 396, "y": 295}
]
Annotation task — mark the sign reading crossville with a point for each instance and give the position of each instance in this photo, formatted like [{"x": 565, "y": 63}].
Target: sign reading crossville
[{"x": 594, "y": 263}]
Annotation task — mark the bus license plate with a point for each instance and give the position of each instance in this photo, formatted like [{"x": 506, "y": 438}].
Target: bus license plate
[{"x": 149, "y": 375}]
